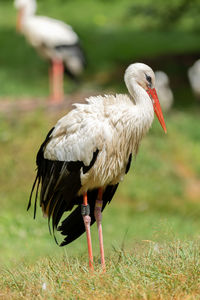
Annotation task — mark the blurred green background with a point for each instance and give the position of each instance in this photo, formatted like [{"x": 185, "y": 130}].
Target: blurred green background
[{"x": 159, "y": 199}]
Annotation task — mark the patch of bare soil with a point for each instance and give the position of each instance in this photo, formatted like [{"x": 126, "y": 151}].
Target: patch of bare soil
[{"x": 10, "y": 106}]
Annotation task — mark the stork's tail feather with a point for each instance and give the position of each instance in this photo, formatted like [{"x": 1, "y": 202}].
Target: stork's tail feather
[
  {"x": 35, "y": 185},
  {"x": 73, "y": 227},
  {"x": 31, "y": 195},
  {"x": 59, "y": 183},
  {"x": 38, "y": 177}
]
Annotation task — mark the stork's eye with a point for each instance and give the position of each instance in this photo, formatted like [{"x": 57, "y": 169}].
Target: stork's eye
[{"x": 148, "y": 78}]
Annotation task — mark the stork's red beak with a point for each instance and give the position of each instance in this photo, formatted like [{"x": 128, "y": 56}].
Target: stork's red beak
[{"x": 157, "y": 108}]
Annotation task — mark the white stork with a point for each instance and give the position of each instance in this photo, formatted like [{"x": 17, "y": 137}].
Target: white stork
[
  {"x": 194, "y": 78},
  {"x": 88, "y": 152},
  {"x": 55, "y": 41},
  {"x": 164, "y": 91}
]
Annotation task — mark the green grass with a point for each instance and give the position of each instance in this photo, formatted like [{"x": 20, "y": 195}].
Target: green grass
[
  {"x": 151, "y": 227},
  {"x": 149, "y": 271}
]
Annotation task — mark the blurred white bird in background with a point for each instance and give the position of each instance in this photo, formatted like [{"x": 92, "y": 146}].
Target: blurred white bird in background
[
  {"x": 194, "y": 78},
  {"x": 164, "y": 91},
  {"x": 55, "y": 41}
]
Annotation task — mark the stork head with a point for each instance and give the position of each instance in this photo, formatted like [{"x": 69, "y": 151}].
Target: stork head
[
  {"x": 25, "y": 8},
  {"x": 142, "y": 75}
]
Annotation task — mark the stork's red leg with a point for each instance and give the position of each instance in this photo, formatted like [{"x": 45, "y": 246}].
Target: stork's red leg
[
  {"x": 87, "y": 221},
  {"x": 98, "y": 217},
  {"x": 56, "y": 81}
]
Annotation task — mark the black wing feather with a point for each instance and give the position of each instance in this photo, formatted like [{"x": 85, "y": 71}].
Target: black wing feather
[
  {"x": 72, "y": 227},
  {"x": 71, "y": 50},
  {"x": 59, "y": 183},
  {"x": 39, "y": 159}
]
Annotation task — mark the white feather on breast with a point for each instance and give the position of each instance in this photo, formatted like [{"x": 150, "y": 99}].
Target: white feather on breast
[{"x": 112, "y": 129}]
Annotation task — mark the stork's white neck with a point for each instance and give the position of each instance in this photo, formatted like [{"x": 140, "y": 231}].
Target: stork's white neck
[
  {"x": 144, "y": 106},
  {"x": 137, "y": 92}
]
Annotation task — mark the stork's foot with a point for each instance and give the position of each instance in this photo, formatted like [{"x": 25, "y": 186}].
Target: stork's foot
[
  {"x": 98, "y": 217},
  {"x": 85, "y": 210}
]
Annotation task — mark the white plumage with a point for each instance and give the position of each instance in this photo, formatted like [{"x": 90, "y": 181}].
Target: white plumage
[
  {"x": 112, "y": 124},
  {"x": 164, "y": 91},
  {"x": 89, "y": 151},
  {"x": 194, "y": 78},
  {"x": 43, "y": 30}
]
